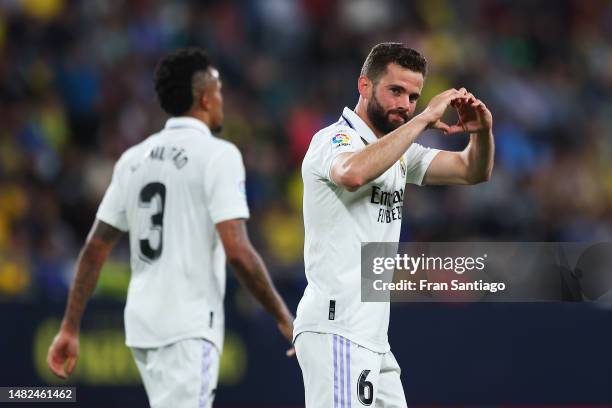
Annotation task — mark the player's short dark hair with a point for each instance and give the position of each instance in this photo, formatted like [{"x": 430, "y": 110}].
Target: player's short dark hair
[
  {"x": 383, "y": 54},
  {"x": 174, "y": 78}
]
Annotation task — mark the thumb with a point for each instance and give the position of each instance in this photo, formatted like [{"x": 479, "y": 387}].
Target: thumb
[
  {"x": 458, "y": 128},
  {"x": 291, "y": 352},
  {"x": 441, "y": 126}
]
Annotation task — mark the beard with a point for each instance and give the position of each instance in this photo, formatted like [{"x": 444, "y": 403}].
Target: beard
[
  {"x": 380, "y": 118},
  {"x": 216, "y": 126}
]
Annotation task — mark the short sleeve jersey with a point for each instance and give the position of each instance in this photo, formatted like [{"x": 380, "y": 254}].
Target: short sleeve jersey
[
  {"x": 338, "y": 221},
  {"x": 169, "y": 192}
]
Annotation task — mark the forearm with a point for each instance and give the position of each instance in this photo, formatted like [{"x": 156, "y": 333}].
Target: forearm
[
  {"x": 90, "y": 263},
  {"x": 252, "y": 273},
  {"x": 376, "y": 158},
  {"x": 480, "y": 153}
]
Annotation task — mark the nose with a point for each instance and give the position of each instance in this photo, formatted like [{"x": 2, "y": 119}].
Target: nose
[
  {"x": 410, "y": 105},
  {"x": 405, "y": 107},
  {"x": 405, "y": 104}
]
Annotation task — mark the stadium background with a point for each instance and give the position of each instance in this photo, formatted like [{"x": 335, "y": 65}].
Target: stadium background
[{"x": 76, "y": 91}]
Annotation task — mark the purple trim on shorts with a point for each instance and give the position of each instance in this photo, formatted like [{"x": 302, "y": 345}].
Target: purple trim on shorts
[
  {"x": 335, "y": 372},
  {"x": 341, "y": 372},
  {"x": 204, "y": 388},
  {"x": 348, "y": 372}
]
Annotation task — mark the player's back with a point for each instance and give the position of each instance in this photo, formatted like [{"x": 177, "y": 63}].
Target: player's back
[{"x": 169, "y": 184}]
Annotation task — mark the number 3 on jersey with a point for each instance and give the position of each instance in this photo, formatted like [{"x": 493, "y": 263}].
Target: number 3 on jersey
[{"x": 152, "y": 198}]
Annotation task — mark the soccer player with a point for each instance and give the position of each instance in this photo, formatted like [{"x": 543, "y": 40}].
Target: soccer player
[
  {"x": 181, "y": 196},
  {"x": 354, "y": 176}
]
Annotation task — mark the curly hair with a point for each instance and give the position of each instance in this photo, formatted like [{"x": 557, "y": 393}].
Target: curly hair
[
  {"x": 174, "y": 79},
  {"x": 385, "y": 53}
]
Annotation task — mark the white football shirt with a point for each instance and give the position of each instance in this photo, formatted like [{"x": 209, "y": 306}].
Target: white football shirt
[
  {"x": 169, "y": 191},
  {"x": 337, "y": 221}
]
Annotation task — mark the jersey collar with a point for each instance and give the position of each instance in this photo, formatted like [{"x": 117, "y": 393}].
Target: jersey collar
[
  {"x": 182, "y": 122},
  {"x": 355, "y": 122}
]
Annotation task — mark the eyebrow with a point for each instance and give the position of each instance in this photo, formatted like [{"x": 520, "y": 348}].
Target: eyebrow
[
  {"x": 392, "y": 86},
  {"x": 400, "y": 87}
]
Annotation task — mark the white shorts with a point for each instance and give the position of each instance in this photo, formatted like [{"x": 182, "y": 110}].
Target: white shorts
[
  {"x": 180, "y": 375},
  {"x": 341, "y": 374}
]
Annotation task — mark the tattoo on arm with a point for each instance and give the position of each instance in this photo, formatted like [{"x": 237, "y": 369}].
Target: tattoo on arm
[
  {"x": 256, "y": 278},
  {"x": 106, "y": 233},
  {"x": 250, "y": 268},
  {"x": 98, "y": 246}
]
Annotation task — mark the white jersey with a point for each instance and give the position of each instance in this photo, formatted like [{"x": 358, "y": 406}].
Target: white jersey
[
  {"x": 337, "y": 221},
  {"x": 169, "y": 192}
]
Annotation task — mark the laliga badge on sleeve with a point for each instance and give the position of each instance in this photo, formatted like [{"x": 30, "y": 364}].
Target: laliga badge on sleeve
[{"x": 341, "y": 139}]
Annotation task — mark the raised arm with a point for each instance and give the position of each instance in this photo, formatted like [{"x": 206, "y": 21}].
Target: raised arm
[
  {"x": 252, "y": 272},
  {"x": 64, "y": 350},
  {"x": 352, "y": 170},
  {"x": 475, "y": 163}
]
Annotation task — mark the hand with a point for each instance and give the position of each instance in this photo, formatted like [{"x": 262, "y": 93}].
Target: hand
[
  {"x": 438, "y": 105},
  {"x": 63, "y": 353},
  {"x": 286, "y": 328},
  {"x": 474, "y": 117}
]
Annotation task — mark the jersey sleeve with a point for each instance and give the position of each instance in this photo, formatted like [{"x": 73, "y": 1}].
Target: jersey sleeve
[
  {"x": 112, "y": 209},
  {"x": 418, "y": 159},
  {"x": 225, "y": 186},
  {"x": 330, "y": 144}
]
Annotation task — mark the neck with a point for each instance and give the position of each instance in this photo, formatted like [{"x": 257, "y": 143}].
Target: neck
[
  {"x": 199, "y": 115},
  {"x": 361, "y": 111}
]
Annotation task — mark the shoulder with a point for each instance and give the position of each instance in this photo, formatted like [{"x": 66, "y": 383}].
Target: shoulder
[
  {"x": 338, "y": 128},
  {"x": 221, "y": 147},
  {"x": 133, "y": 154},
  {"x": 417, "y": 151},
  {"x": 219, "y": 153},
  {"x": 337, "y": 134}
]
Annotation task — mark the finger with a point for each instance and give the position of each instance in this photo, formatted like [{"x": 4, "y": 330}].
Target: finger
[
  {"x": 57, "y": 367},
  {"x": 480, "y": 107},
  {"x": 71, "y": 364},
  {"x": 60, "y": 373},
  {"x": 483, "y": 107},
  {"x": 459, "y": 110},
  {"x": 291, "y": 352},
  {"x": 460, "y": 102},
  {"x": 455, "y": 129},
  {"x": 457, "y": 100},
  {"x": 441, "y": 126},
  {"x": 448, "y": 92},
  {"x": 55, "y": 363},
  {"x": 455, "y": 92},
  {"x": 467, "y": 99}
]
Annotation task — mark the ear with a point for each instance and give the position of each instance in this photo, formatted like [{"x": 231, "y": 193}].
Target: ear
[
  {"x": 203, "y": 101},
  {"x": 364, "y": 85}
]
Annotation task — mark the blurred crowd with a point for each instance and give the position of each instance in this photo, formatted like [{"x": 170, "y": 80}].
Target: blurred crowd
[{"x": 76, "y": 91}]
